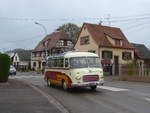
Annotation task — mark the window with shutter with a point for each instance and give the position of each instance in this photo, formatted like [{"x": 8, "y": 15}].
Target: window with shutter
[{"x": 84, "y": 40}]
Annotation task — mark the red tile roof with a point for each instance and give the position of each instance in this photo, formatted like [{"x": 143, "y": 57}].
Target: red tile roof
[
  {"x": 52, "y": 40},
  {"x": 141, "y": 51},
  {"x": 99, "y": 33}
]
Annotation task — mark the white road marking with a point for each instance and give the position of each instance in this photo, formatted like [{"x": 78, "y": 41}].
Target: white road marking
[
  {"x": 112, "y": 88},
  {"x": 148, "y": 99}
]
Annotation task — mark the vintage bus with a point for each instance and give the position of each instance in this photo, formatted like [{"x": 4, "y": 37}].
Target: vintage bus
[{"x": 74, "y": 69}]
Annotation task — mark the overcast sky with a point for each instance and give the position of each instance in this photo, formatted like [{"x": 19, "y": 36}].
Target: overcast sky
[{"x": 17, "y": 18}]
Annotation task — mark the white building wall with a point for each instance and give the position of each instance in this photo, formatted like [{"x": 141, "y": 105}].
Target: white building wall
[{"x": 16, "y": 59}]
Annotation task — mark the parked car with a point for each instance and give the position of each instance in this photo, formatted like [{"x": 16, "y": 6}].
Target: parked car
[{"x": 12, "y": 70}]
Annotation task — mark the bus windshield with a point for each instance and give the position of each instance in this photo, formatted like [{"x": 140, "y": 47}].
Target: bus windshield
[{"x": 85, "y": 62}]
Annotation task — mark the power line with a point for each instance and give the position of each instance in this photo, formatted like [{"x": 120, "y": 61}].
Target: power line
[
  {"x": 26, "y": 39},
  {"x": 137, "y": 25},
  {"x": 131, "y": 19},
  {"x": 137, "y": 18},
  {"x": 131, "y": 16},
  {"x": 140, "y": 26},
  {"x": 111, "y": 19}
]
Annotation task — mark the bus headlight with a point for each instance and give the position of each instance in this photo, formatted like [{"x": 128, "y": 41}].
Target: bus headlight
[{"x": 78, "y": 78}]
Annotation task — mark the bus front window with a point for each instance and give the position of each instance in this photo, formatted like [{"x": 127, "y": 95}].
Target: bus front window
[
  {"x": 78, "y": 62},
  {"x": 93, "y": 62},
  {"x": 85, "y": 62}
]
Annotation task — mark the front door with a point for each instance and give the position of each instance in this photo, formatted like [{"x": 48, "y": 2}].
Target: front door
[{"x": 116, "y": 65}]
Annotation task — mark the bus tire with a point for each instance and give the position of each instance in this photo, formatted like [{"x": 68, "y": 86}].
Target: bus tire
[
  {"x": 49, "y": 82},
  {"x": 64, "y": 85},
  {"x": 93, "y": 87}
]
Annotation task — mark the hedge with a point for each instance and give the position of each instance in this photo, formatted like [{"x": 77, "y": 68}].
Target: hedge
[{"x": 4, "y": 67}]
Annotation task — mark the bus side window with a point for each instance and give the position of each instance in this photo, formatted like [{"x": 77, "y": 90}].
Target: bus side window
[
  {"x": 66, "y": 63},
  {"x": 55, "y": 63},
  {"x": 58, "y": 62},
  {"x": 49, "y": 63},
  {"x": 61, "y": 62}
]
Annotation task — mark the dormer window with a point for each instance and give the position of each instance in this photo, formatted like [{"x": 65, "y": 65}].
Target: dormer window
[
  {"x": 117, "y": 42},
  {"x": 60, "y": 43},
  {"x": 69, "y": 43},
  {"x": 114, "y": 41},
  {"x": 45, "y": 43}
]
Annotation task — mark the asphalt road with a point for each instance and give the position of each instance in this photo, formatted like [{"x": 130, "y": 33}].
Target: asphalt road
[
  {"x": 113, "y": 97},
  {"x": 18, "y": 97}
]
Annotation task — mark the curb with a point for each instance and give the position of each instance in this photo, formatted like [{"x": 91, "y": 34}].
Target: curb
[
  {"x": 4, "y": 84},
  {"x": 50, "y": 99}
]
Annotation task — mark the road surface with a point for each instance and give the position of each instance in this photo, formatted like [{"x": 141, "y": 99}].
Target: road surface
[{"x": 113, "y": 97}]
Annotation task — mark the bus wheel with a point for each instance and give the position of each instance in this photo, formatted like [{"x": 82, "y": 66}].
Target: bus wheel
[
  {"x": 93, "y": 87},
  {"x": 49, "y": 82},
  {"x": 64, "y": 85}
]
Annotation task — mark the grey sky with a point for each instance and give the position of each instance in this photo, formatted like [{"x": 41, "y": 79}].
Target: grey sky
[{"x": 17, "y": 17}]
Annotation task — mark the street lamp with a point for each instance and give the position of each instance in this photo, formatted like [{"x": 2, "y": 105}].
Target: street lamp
[{"x": 45, "y": 33}]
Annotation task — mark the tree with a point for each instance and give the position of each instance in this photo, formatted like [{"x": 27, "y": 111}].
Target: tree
[
  {"x": 71, "y": 29},
  {"x": 4, "y": 67}
]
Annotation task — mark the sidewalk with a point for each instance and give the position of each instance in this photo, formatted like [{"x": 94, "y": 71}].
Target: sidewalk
[
  {"x": 111, "y": 78},
  {"x": 18, "y": 97}
]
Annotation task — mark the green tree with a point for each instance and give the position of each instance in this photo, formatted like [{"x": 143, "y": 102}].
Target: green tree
[
  {"x": 71, "y": 29},
  {"x": 4, "y": 67}
]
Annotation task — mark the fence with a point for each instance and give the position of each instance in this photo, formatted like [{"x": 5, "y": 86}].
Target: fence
[{"x": 134, "y": 72}]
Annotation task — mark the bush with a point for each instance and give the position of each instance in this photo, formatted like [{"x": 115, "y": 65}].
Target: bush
[
  {"x": 4, "y": 67},
  {"x": 132, "y": 69}
]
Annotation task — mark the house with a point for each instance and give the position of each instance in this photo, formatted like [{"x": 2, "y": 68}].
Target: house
[
  {"x": 142, "y": 56},
  {"x": 142, "y": 53},
  {"x": 52, "y": 44},
  {"x": 22, "y": 60},
  {"x": 11, "y": 55},
  {"x": 109, "y": 43}
]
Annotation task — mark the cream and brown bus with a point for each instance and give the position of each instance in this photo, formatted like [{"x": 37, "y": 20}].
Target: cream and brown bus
[{"x": 74, "y": 69}]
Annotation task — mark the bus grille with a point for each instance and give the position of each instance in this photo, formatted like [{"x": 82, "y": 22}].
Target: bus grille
[{"x": 90, "y": 78}]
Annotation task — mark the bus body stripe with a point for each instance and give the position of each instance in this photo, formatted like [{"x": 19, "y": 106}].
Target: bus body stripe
[{"x": 58, "y": 76}]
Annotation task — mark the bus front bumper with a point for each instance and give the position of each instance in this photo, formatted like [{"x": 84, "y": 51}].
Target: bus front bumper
[{"x": 87, "y": 84}]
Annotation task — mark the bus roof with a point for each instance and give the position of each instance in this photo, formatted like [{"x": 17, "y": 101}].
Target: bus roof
[{"x": 73, "y": 54}]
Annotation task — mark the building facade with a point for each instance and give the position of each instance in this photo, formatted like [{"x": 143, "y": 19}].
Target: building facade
[
  {"x": 53, "y": 44},
  {"x": 109, "y": 43},
  {"x": 22, "y": 60},
  {"x": 142, "y": 58}
]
